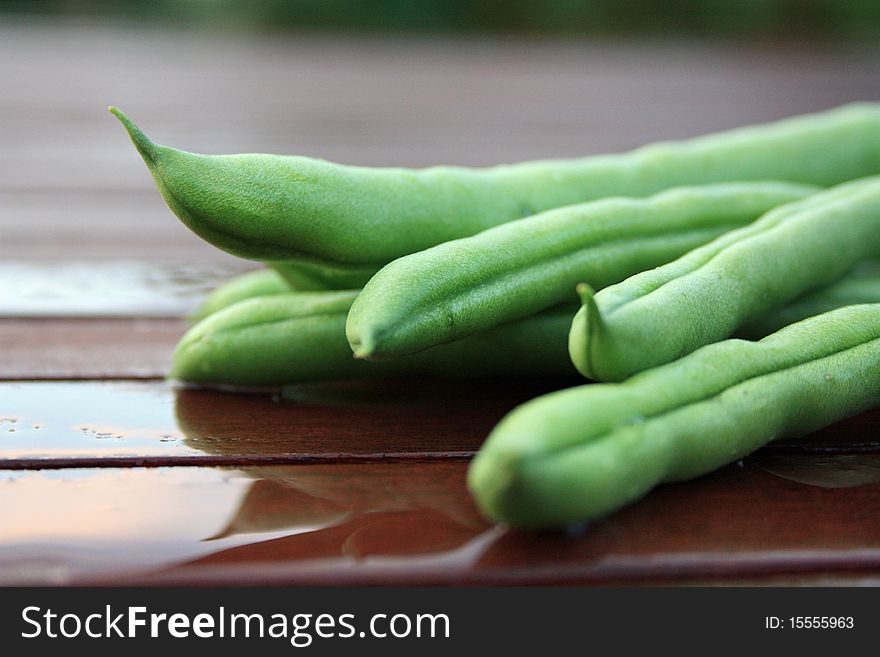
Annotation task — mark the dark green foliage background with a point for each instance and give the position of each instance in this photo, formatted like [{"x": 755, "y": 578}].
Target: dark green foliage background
[{"x": 772, "y": 19}]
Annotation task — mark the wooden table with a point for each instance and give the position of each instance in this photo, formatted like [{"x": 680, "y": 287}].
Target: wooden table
[{"x": 109, "y": 474}]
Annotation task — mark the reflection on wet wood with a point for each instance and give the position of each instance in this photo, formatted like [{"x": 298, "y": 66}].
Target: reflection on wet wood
[
  {"x": 89, "y": 424},
  {"x": 153, "y": 424},
  {"x": 827, "y": 470},
  {"x": 108, "y": 288},
  {"x": 358, "y": 417},
  {"x": 68, "y": 420},
  {"x": 269, "y": 505},
  {"x": 414, "y": 524},
  {"x": 739, "y": 522}
]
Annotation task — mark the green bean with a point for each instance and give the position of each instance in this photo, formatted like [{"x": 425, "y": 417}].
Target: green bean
[
  {"x": 860, "y": 286},
  {"x": 283, "y": 276},
  {"x": 307, "y": 274},
  {"x": 468, "y": 285},
  {"x": 299, "y": 337},
  {"x": 268, "y": 207},
  {"x": 584, "y": 452},
  {"x": 257, "y": 283},
  {"x": 662, "y": 314}
]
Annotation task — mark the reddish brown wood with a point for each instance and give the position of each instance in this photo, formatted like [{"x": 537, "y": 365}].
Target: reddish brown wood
[
  {"x": 855, "y": 434},
  {"x": 153, "y": 424},
  {"x": 415, "y": 523},
  {"x": 362, "y": 416},
  {"x": 739, "y": 522},
  {"x": 87, "y": 348},
  {"x": 101, "y": 424}
]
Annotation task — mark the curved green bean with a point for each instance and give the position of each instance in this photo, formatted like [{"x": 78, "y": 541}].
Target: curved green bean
[
  {"x": 514, "y": 270},
  {"x": 300, "y": 337},
  {"x": 662, "y": 314},
  {"x": 268, "y": 207},
  {"x": 257, "y": 283},
  {"x": 584, "y": 452}
]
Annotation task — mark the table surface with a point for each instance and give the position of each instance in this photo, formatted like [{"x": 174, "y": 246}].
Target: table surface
[{"x": 110, "y": 474}]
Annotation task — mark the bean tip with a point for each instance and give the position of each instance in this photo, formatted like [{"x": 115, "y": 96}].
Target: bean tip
[
  {"x": 585, "y": 292},
  {"x": 144, "y": 144},
  {"x": 584, "y": 328},
  {"x": 359, "y": 351}
]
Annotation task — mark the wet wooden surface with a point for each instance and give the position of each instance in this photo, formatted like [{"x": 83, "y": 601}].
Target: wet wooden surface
[{"x": 110, "y": 474}]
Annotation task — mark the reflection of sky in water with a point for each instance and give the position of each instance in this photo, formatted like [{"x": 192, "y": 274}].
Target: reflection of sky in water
[
  {"x": 105, "y": 288},
  {"x": 56, "y": 419},
  {"x": 53, "y": 524}
]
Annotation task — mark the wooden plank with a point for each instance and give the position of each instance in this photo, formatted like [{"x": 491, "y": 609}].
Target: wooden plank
[
  {"x": 89, "y": 424},
  {"x": 82, "y": 424},
  {"x": 87, "y": 348},
  {"x": 375, "y": 523}
]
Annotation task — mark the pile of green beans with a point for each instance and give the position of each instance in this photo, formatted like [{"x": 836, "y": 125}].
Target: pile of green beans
[
  {"x": 659, "y": 315},
  {"x": 584, "y": 452},
  {"x": 267, "y": 335},
  {"x": 765, "y": 233},
  {"x": 511, "y": 271}
]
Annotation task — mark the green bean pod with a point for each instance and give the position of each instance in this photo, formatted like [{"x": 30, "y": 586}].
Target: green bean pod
[
  {"x": 268, "y": 207},
  {"x": 584, "y": 452},
  {"x": 257, "y": 283},
  {"x": 659, "y": 315},
  {"x": 859, "y": 286},
  {"x": 313, "y": 274},
  {"x": 514, "y": 270},
  {"x": 299, "y": 337}
]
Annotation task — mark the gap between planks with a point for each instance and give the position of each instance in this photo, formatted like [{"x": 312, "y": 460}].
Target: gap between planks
[{"x": 229, "y": 461}]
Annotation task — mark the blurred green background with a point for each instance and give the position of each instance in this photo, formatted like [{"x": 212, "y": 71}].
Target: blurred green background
[{"x": 769, "y": 19}]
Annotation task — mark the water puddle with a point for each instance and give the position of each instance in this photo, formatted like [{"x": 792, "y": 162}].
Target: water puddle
[
  {"x": 57, "y": 526},
  {"x": 825, "y": 471},
  {"x": 111, "y": 288},
  {"x": 56, "y": 419}
]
